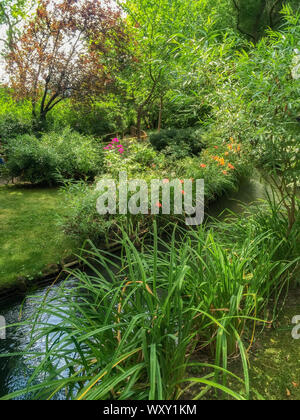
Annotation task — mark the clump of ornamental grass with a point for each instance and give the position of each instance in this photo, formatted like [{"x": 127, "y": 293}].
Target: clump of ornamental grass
[{"x": 135, "y": 324}]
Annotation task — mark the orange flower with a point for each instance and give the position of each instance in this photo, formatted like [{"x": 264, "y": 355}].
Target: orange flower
[
  {"x": 226, "y": 153},
  {"x": 231, "y": 166},
  {"x": 203, "y": 165},
  {"x": 181, "y": 182},
  {"x": 222, "y": 161},
  {"x": 225, "y": 173},
  {"x": 229, "y": 146},
  {"x": 216, "y": 147},
  {"x": 158, "y": 204},
  {"x": 166, "y": 181},
  {"x": 182, "y": 192}
]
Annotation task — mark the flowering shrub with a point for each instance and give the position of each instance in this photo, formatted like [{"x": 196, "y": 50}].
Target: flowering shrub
[
  {"x": 141, "y": 161},
  {"x": 115, "y": 145}
]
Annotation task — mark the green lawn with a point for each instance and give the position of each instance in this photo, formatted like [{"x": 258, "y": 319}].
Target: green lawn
[
  {"x": 30, "y": 240},
  {"x": 275, "y": 365}
]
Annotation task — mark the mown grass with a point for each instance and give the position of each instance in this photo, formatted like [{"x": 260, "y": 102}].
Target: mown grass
[{"x": 30, "y": 240}]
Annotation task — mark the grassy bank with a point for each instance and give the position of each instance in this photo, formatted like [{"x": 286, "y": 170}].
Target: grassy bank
[
  {"x": 30, "y": 241},
  {"x": 275, "y": 368}
]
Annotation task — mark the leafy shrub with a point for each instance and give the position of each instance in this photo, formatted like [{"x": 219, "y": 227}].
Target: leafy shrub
[
  {"x": 12, "y": 126},
  {"x": 141, "y": 161},
  {"x": 179, "y": 143},
  {"x": 83, "y": 222},
  {"x": 15, "y": 117},
  {"x": 99, "y": 119},
  {"x": 184, "y": 109},
  {"x": 54, "y": 156}
]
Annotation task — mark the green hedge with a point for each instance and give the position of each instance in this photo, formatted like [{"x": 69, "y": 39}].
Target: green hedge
[
  {"x": 179, "y": 143},
  {"x": 53, "y": 157}
]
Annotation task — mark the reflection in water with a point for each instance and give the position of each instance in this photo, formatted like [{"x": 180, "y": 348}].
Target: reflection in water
[
  {"x": 249, "y": 192},
  {"x": 15, "y": 371}
]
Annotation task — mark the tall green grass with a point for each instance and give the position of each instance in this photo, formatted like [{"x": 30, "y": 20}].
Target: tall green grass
[{"x": 136, "y": 325}]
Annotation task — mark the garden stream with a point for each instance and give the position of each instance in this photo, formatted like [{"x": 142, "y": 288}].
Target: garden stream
[{"x": 15, "y": 370}]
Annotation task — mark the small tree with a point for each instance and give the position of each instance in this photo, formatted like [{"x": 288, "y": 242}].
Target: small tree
[
  {"x": 158, "y": 30},
  {"x": 60, "y": 53},
  {"x": 259, "y": 106}
]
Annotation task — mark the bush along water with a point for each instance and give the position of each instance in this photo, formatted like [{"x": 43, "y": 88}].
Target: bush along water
[{"x": 221, "y": 166}]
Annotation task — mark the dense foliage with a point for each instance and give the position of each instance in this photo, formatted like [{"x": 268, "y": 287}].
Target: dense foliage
[
  {"x": 179, "y": 143},
  {"x": 216, "y": 87},
  {"x": 53, "y": 157}
]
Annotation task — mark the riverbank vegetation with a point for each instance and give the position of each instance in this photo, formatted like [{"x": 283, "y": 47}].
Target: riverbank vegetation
[
  {"x": 145, "y": 321},
  {"x": 160, "y": 90}
]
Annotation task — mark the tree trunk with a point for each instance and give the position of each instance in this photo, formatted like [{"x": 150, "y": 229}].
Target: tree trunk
[
  {"x": 139, "y": 123},
  {"x": 258, "y": 20},
  {"x": 160, "y": 114}
]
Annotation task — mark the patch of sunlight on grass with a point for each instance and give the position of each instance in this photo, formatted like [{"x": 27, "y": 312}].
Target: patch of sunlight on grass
[
  {"x": 275, "y": 358},
  {"x": 30, "y": 239}
]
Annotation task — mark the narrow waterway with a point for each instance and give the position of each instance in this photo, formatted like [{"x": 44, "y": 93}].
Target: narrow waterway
[{"x": 15, "y": 371}]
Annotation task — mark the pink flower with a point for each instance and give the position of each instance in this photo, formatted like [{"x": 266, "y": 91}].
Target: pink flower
[
  {"x": 165, "y": 181},
  {"x": 115, "y": 140},
  {"x": 121, "y": 151}
]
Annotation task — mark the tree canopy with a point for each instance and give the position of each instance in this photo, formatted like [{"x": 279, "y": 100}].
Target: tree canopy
[{"x": 59, "y": 53}]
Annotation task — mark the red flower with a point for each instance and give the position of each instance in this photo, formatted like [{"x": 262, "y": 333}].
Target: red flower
[{"x": 159, "y": 205}]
